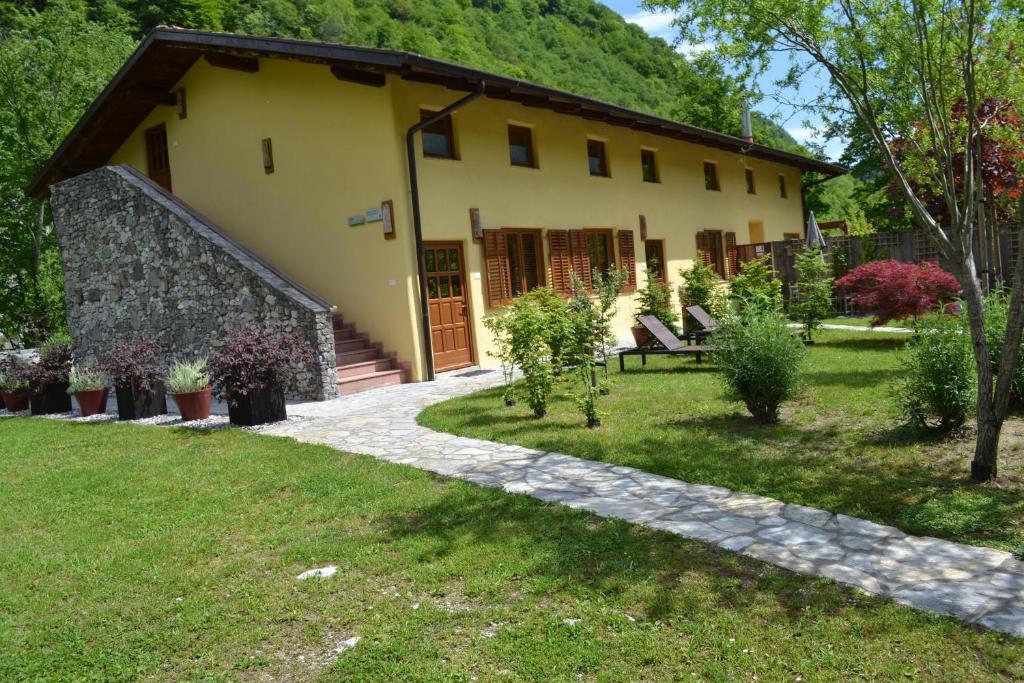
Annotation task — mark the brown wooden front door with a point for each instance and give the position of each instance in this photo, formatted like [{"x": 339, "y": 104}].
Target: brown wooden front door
[
  {"x": 449, "y": 305},
  {"x": 157, "y": 159}
]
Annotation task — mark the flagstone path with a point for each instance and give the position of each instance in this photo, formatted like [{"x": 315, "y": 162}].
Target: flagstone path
[{"x": 977, "y": 585}]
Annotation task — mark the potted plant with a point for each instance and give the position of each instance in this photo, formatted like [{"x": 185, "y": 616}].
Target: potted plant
[
  {"x": 134, "y": 368},
  {"x": 252, "y": 370},
  {"x": 189, "y": 384},
  {"x": 654, "y": 298},
  {"x": 48, "y": 378},
  {"x": 89, "y": 387},
  {"x": 14, "y": 385}
]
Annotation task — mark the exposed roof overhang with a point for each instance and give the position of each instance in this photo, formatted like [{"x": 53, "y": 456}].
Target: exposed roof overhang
[{"x": 166, "y": 54}]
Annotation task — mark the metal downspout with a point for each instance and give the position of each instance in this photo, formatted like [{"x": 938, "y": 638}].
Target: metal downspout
[{"x": 417, "y": 224}]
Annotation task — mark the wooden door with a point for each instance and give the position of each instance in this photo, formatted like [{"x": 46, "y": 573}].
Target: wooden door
[
  {"x": 157, "y": 159},
  {"x": 449, "y": 305}
]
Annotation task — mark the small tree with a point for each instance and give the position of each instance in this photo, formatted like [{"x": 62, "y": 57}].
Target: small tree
[
  {"x": 814, "y": 286},
  {"x": 607, "y": 289},
  {"x": 700, "y": 288},
  {"x": 498, "y": 325},
  {"x": 936, "y": 379},
  {"x": 529, "y": 336},
  {"x": 893, "y": 290},
  {"x": 755, "y": 288},
  {"x": 655, "y": 298},
  {"x": 587, "y": 336}
]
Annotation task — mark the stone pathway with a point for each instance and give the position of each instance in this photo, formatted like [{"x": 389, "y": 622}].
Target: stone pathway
[{"x": 977, "y": 585}]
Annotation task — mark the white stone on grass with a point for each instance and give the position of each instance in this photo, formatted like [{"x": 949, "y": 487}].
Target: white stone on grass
[{"x": 320, "y": 573}]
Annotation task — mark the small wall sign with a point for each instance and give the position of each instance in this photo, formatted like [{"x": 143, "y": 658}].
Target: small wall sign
[
  {"x": 373, "y": 215},
  {"x": 356, "y": 220}
]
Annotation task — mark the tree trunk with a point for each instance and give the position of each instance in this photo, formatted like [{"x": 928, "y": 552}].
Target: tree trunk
[{"x": 986, "y": 447}]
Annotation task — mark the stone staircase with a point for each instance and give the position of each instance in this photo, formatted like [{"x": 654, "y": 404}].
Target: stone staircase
[{"x": 363, "y": 364}]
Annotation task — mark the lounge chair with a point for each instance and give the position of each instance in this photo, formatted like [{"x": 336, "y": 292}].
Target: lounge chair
[
  {"x": 708, "y": 324},
  {"x": 667, "y": 344}
]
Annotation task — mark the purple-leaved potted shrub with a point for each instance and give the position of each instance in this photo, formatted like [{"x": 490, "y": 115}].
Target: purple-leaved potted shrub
[
  {"x": 48, "y": 378},
  {"x": 135, "y": 370},
  {"x": 253, "y": 369},
  {"x": 14, "y": 385}
]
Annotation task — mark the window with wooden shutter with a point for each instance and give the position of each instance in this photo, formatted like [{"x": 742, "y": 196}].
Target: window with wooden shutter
[
  {"x": 579, "y": 249},
  {"x": 561, "y": 261},
  {"x": 627, "y": 259},
  {"x": 499, "y": 288},
  {"x": 732, "y": 254},
  {"x": 709, "y": 246},
  {"x": 703, "y": 248}
]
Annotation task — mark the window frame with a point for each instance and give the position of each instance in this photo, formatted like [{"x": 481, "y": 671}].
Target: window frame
[
  {"x": 448, "y": 129},
  {"x": 716, "y": 184},
  {"x": 609, "y": 236},
  {"x": 783, "y": 193},
  {"x": 536, "y": 234},
  {"x": 662, "y": 272},
  {"x": 718, "y": 264},
  {"x": 748, "y": 175},
  {"x": 655, "y": 175},
  {"x": 531, "y": 154},
  {"x": 605, "y": 168}
]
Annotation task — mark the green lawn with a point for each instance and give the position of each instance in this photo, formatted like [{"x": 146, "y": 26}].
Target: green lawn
[
  {"x": 840, "y": 446},
  {"x": 137, "y": 552}
]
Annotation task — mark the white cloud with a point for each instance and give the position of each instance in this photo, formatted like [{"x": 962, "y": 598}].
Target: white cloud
[
  {"x": 833, "y": 147},
  {"x": 690, "y": 49},
  {"x": 655, "y": 23}
]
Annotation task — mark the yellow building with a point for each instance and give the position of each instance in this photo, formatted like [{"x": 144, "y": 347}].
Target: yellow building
[{"x": 298, "y": 150}]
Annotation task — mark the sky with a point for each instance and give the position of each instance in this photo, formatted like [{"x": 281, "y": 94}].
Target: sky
[{"x": 801, "y": 124}]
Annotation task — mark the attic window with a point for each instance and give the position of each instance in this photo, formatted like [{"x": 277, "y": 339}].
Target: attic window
[
  {"x": 438, "y": 137},
  {"x": 751, "y": 188},
  {"x": 649, "y": 165},
  {"x": 782, "y": 186},
  {"x": 711, "y": 176},
  {"x": 597, "y": 158}
]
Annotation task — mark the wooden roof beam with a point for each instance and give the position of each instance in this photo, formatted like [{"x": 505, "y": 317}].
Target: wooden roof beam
[
  {"x": 223, "y": 60},
  {"x": 375, "y": 79},
  {"x": 152, "y": 95}
]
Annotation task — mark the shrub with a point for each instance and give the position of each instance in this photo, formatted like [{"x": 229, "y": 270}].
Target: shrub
[
  {"x": 12, "y": 374},
  {"x": 997, "y": 307},
  {"x": 529, "y": 337},
  {"x": 655, "y": 298},
  {"x": 555, "y": 330},
  {"x": 86, "y": 379},
  {"x": 895, "y": 289},
  {"x": 761, "y": 360},
  {"x": 936, "y": 381},
  {"x": 133, "y": 364},
  {"x": 188, "y": 376},
  {"x": 814, "y": 302},
  {"x": 255, "y": 359},
  {"x": 588, "y": 335},
  {"x": 607, "y": 289},
  {"x": 701, "y": 288},
  {"x": 53, "y": 365},
  {"x": 498, "y": 325},
  {"x": 755, "y": 288}
]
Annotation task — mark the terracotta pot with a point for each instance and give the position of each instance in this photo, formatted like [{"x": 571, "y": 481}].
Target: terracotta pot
[
  {"x": 51, "y": 399},
  {"x": 92, "y": 401},
  {"x": 258, "y": 407},
  {"x": 194, "y": 405},
  {"x": 640, "y": 335},
  {"x": 133, "y": 404},
  {"x": 17, "y": 400}
]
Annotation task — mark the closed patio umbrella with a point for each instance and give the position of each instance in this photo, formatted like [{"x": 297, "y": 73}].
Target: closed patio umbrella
[{"x": 814, "y": 236}]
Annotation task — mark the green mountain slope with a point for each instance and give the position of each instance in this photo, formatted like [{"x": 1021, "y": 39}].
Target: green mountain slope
[{"x": 576, "y": 45}]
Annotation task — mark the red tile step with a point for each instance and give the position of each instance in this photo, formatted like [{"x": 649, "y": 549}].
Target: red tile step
[{"x": 362, "y": 364}]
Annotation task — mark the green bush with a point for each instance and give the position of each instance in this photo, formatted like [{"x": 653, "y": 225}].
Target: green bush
[
  {"x": 655, "y": 298},
  {"x": 814, "y": 284},
  {"x": 186, "y": 377},
  {"x": 556, "y": 330},
  {"x": 755, "y": 288},
  {"x": 761, "y": 360},
  {"x": 701, "y": 288},
  {"x": 997, "y": 307},
  {"x": 937, "y": 380}
]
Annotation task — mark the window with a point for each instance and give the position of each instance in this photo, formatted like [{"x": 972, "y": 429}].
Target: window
[
  {"x": 749, "y": 173},
  {"x": 596, "y": 158},
  {"x": 709, "y": 247},
  {"x": 520, "y": 146},
  {"x": 654, "y": 251},
  {"x": 438, "y": 139},
  {"x": 711, "y": 176},
  {"x": 600, "y": 250},
  {"x": 782, "y": 186},
  {"x": 157, "y": 160},
  {"x": 524, "y": 260},
  {"x": 649, "y": 164}
]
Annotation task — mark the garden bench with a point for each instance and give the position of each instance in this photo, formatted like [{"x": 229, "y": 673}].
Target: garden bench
[{"x": 667, "y": 344}]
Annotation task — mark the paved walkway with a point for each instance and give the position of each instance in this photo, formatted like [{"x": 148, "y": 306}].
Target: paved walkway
[{"x": 978, "y": 585}]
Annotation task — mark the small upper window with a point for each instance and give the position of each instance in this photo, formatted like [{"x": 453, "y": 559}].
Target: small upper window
[
  {"x": 751, "y": 188},
  {"x": 649, "y": 164},
  {"x": 438, "y": 139},
  {"x": 711, "y": 176},
  {"x": 596, "y": 158},
  {"x": 782, "y": 186},
  {"x": 520, "y": 146}
]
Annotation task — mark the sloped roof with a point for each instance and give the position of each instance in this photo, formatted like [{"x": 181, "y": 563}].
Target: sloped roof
[{"x": 167, "y": 53}]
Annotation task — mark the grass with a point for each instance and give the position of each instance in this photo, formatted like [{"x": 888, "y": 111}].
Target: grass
[
  {"x": 865, "y": 321},
  {"x": 137, "y": 552},
  {"x": 840, "y": 445}
]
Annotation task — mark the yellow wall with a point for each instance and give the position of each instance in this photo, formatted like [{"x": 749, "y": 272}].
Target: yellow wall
[{"x": 339, "y": 150}]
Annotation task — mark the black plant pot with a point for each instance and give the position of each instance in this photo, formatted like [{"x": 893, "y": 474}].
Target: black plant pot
[
  {"x": 51, "y": 399},
  {"x": 258, "y": 407},
  {"x": 133, "y": 404}
]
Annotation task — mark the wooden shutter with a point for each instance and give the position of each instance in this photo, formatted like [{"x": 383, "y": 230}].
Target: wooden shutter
[
  {"x": 732, "y": 254},
  {"x": 580, "y": 256},
  {"x": 704, "y": 247},
  {"x": 627, "y": 259},
  {"x": 499, "y": 283},
  {"x": 561, "y": 261}
]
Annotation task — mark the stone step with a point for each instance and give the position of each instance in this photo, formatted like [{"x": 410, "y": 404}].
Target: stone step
[
  {"x": 353, "y": 385},
  {"x": 357, "y": 355},
  {"x": 365, "y": 367},
  {"x": 359, "y": 341},
  {"x": 347, "y": 331}
]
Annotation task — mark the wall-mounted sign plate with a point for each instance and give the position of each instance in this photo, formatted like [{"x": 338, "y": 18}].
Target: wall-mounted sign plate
[
  {"x": 373, "y": 215},
  {"x": 356, "y": 220}
]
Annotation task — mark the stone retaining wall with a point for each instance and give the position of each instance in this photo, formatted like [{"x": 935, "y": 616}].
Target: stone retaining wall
[{"x": 138, "y": 262}]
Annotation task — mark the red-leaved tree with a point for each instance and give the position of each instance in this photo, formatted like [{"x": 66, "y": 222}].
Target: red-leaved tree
[{"x": 896, "y": 289}]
